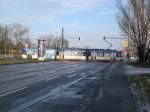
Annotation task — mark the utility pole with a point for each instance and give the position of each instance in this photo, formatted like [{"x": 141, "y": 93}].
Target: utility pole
[
  {"x": 62, "y": 40},
  {"x": 62, "y": 43},
  {"x": 6, "y": 34}
]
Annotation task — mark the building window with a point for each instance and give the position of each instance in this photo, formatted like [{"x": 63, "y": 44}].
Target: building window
[
  {"x": 80, "y": 53},
  {"x": 100, "y": 54}
]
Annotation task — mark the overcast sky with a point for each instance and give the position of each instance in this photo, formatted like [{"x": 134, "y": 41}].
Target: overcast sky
[{"x": 91, "y": 19}]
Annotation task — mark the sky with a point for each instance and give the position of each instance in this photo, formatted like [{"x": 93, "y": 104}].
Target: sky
[{"x": 90, "y": 19}]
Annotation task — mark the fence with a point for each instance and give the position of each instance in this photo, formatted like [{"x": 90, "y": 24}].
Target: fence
[{"x": 9, "y": 53}]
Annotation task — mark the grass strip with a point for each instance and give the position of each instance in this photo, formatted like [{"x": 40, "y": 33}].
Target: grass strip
[
  {"x": 141, "y": 82},
  {"x": 18, "y": 61}
]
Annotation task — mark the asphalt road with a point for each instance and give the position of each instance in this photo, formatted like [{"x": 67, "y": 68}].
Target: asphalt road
[{"x": 66, "y": 86}]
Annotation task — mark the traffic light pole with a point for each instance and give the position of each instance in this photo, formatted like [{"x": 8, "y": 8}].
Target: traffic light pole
[{"x": 104, "y": 38}]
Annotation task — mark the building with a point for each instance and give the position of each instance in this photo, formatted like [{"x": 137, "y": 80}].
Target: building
[{"x": 87, "y": 54}]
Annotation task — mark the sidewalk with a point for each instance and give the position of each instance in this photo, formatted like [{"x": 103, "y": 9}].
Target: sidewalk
[
  {"x": 115, "y": 95},
  {"x": 131, "y": 70}
]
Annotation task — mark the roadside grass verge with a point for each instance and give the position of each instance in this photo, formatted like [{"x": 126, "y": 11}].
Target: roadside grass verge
[
  {"x": 140, "y": 86},
  {"x": 141, "y": 82},
  {"x": 140, "y": 65},
  {"x": 18, "y": 61}
]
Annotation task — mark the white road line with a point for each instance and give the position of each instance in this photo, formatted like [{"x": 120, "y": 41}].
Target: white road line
[
  {"x": 53, "y": 93},
  {"x": 69, "y": 76},
  {"x": 27, "y": 75},
  {"x": 51, "y": 78},
  {"x": 13, "y": 91},
  {"x": 70, "y": 71},
  {"x": 82, "y": 73},
  {"x": 100, "y": 94}
]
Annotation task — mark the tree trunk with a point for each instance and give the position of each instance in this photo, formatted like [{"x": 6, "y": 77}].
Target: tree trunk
[
  {"x": 141, "y": 54},
  {"x": 147, "y": 57}
]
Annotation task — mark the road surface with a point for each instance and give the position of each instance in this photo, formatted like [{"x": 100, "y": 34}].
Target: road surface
[{"x": 66, "y": 86}]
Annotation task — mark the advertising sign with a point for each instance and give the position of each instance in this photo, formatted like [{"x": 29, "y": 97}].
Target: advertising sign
[
  {"x": 41, "y": 48},
  {"x": 125, "y": 44}
]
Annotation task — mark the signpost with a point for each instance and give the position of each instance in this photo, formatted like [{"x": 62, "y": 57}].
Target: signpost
[{"x": 41, "y": 49}]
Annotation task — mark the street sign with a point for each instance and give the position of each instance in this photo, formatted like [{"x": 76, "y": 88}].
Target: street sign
[{"x": 125, "y": 44}]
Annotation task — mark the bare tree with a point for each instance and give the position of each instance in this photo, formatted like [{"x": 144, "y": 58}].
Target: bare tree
[
  {"x": 54, "y": 43},
  {"x": 5, "y": 40},
  {"x": 49, "y": 40},
  {"x": 19, "y": 32},
  {"x": 26, "y": 42},
  {"x": 134, "y": 20},
  {"x": 2, "y": 34},
  {"x": 58, "y": 41}
]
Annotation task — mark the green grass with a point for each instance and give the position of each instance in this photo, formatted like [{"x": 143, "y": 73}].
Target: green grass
[
  {"x": 17, "y": 61},
  {"x": 141, "y": 82},
  {"x": 140, "y": 65}
]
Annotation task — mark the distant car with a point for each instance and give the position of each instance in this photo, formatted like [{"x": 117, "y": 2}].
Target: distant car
[{"x": 133, "y": 59}]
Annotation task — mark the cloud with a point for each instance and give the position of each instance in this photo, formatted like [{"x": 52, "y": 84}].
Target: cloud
[
  {"x": 44, "y": 10},
  {"x": 73, "y": 24},
  {"x": 28, "y": 19},
  {"x": 74, "y": 6},
  {"x": 107, "y": 13}
]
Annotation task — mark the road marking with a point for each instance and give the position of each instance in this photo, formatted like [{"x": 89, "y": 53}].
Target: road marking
[
  {"x": 69, "y": 76},
  {"x": 53, "y": 93},
  {"x": 92, "y": 78},
  {"x": 51, "y": 78},
  {"x": 82, "y": 73},
  {"x": 71, "y": 72},
  {"x": 13, "y": 91},
  {"x": 100, "y": 94},
  {"x": 46, "y": 73},
  {"x": 27, "y": 75}
]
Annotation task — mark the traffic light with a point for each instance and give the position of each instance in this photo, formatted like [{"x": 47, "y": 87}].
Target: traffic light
[
  {"x": 104, "y": 38},
  {"x": 79, "y": 38}
]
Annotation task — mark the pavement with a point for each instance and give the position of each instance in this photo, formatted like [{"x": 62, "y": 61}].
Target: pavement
[
  {"x": 116, "y": 95},
  {"x": 131, "y": 70},
  {"x": 65, "y": 86}
]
